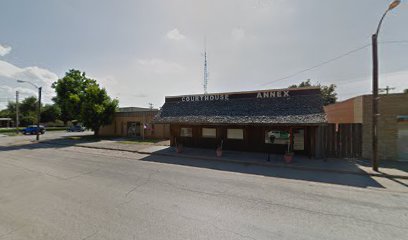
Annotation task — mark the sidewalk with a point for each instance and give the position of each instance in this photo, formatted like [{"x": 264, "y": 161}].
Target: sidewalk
[
  {"x": 348, "y": 166},
  {"x": 361, "y": 167}
]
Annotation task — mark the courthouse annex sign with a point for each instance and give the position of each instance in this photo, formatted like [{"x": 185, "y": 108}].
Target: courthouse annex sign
[
  {"x": 281, "y": 93},
  {"x": 206, "y": 97},
  {"x": 273, "y": 94}
]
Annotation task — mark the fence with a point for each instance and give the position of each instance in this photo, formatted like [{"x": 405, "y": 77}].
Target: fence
[{"x": 343, "y": 141}]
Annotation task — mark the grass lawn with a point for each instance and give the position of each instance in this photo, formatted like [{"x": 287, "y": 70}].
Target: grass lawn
[{"x": 10, "y": 134}]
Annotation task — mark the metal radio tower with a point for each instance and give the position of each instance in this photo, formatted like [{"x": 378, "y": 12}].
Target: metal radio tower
[{"x": 205, "y": 71}]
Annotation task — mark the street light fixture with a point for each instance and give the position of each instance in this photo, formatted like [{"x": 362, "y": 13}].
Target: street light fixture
[
  {"x": 375, "y": 98},
  {"x": 38, "y": 108}
]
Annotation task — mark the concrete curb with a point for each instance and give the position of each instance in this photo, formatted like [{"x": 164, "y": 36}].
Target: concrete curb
[{"x": 265, "y": 164}]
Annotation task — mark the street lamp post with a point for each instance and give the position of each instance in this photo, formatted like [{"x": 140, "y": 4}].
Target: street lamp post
[
  {"x": 38, "y": 108},
  {"x": 375, "y": 98}
]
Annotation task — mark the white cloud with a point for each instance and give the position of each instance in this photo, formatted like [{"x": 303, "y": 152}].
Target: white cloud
[
  {"x": 159, "y": 66},
  {"x": 237, "y": 34},
  {"x": 358, "y": 86},
  {"x": 8, "y": 93},
  {"x": 4, "y": 50},
  {"x": 175, "y": 35},
  {"x": 140, "y": 95},
  {"x": 38, "y": 76},
  {"x": 151, "y": 79}
]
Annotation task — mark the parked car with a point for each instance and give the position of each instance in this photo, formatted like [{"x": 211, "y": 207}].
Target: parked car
[
  {"x": 33, "y": 129},
  {"x": 76, "y": 128}
]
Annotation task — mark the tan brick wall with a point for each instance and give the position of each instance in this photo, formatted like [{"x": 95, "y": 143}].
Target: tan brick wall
[
  {"x": 119, "y": 125},
  {"x": 341, "y": 112},
  {"x": 390, "y": 106},
  {"x": 358, "y": 109}
]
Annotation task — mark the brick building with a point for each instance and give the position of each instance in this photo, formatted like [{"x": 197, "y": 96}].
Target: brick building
[
  {"x": 392, "y": 123},
  {"x": 136, "y": 122}
]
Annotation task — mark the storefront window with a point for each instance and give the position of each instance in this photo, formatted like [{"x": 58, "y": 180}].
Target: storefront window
[
  {"x": 209, "y": 133},
  {"x": 186, "y": 132},
  {"x": 277, "y": 137},
  {"x": 235, "y": 134}
]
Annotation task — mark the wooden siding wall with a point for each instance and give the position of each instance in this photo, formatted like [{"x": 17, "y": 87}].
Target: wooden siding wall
[{"x": 343, "y": 142}]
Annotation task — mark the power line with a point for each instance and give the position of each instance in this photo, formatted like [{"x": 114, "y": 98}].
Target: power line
[
  {"x": 333, "y": 59},
  {"x": 318, "y": 65},
  {"x": 393, "y": 42},
  {"x": 386, "y": 89}
]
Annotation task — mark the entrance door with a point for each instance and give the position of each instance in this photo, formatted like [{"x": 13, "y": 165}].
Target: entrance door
[{"x": 133, "y": 129}]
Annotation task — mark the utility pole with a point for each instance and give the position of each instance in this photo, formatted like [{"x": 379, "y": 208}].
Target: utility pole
[
  {"x": 39, "y": 113},
  {"x": 39, "y": 105},
  {"x": 375, "y": 105},
  {"x": 17, "y": 119},
  {"x": 386, "y": 89},
  {"x": 375, "y": 98},
  {"x": 205, "y": 83}
]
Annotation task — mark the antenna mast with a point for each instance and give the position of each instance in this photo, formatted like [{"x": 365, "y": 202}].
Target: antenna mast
[{"x": 205, "y": 67}]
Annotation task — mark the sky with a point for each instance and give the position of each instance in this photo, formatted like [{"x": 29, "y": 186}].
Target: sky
[{"x": 142, "y": 51}]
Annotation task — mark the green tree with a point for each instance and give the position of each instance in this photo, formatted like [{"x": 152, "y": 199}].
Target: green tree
[
  {"x": 50, "y": 113},
  {"x": 28, "y": 110},
  {"x": 5, "y": 113},
  {"x": 28, "y": 105},
  {"x": 406, "y": 90},
  {"x": 69, "y": 92},
  {"x": 97, "y": 108},
  {"x": 329, "y": 94},
  {"x": 10, "y": 111}
]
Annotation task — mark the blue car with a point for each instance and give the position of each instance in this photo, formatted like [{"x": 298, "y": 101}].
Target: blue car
[
  {"x": 32, "y": 129},
  {"x": 76, "y": 128}
]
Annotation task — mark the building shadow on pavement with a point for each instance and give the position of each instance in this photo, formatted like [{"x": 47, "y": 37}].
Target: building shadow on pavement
[
  {"x": 320, "y": 176},
  {"x": 295, "y": 172}
]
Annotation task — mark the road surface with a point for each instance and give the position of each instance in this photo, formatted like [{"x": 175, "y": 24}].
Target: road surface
[{"x": 61, "y": 192}]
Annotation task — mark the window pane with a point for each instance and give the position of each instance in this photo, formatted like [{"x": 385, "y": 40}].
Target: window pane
[
  {"x": 277, "y": 137},
  {"x": 235, "y": 133},
  {"x": 209, "y": 132},
  {"x": 186, "y": 132}
]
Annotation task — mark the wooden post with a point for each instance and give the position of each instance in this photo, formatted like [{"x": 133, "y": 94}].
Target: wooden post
[{"x": 291, "y": 139}]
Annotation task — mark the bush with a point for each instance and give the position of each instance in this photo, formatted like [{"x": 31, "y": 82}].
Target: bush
[{"x": 57, "y": 123}]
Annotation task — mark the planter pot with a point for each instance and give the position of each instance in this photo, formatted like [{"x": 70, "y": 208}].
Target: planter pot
[
  {"x": 179, "y": 148},
  {"x": 288, "y": 157},
  {"x": 218, "y": 152}
]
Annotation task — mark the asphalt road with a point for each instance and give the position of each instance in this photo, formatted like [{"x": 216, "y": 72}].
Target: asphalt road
[
  {"x": 55, "y": 192},
  {"x": 6, "y": 140}
]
